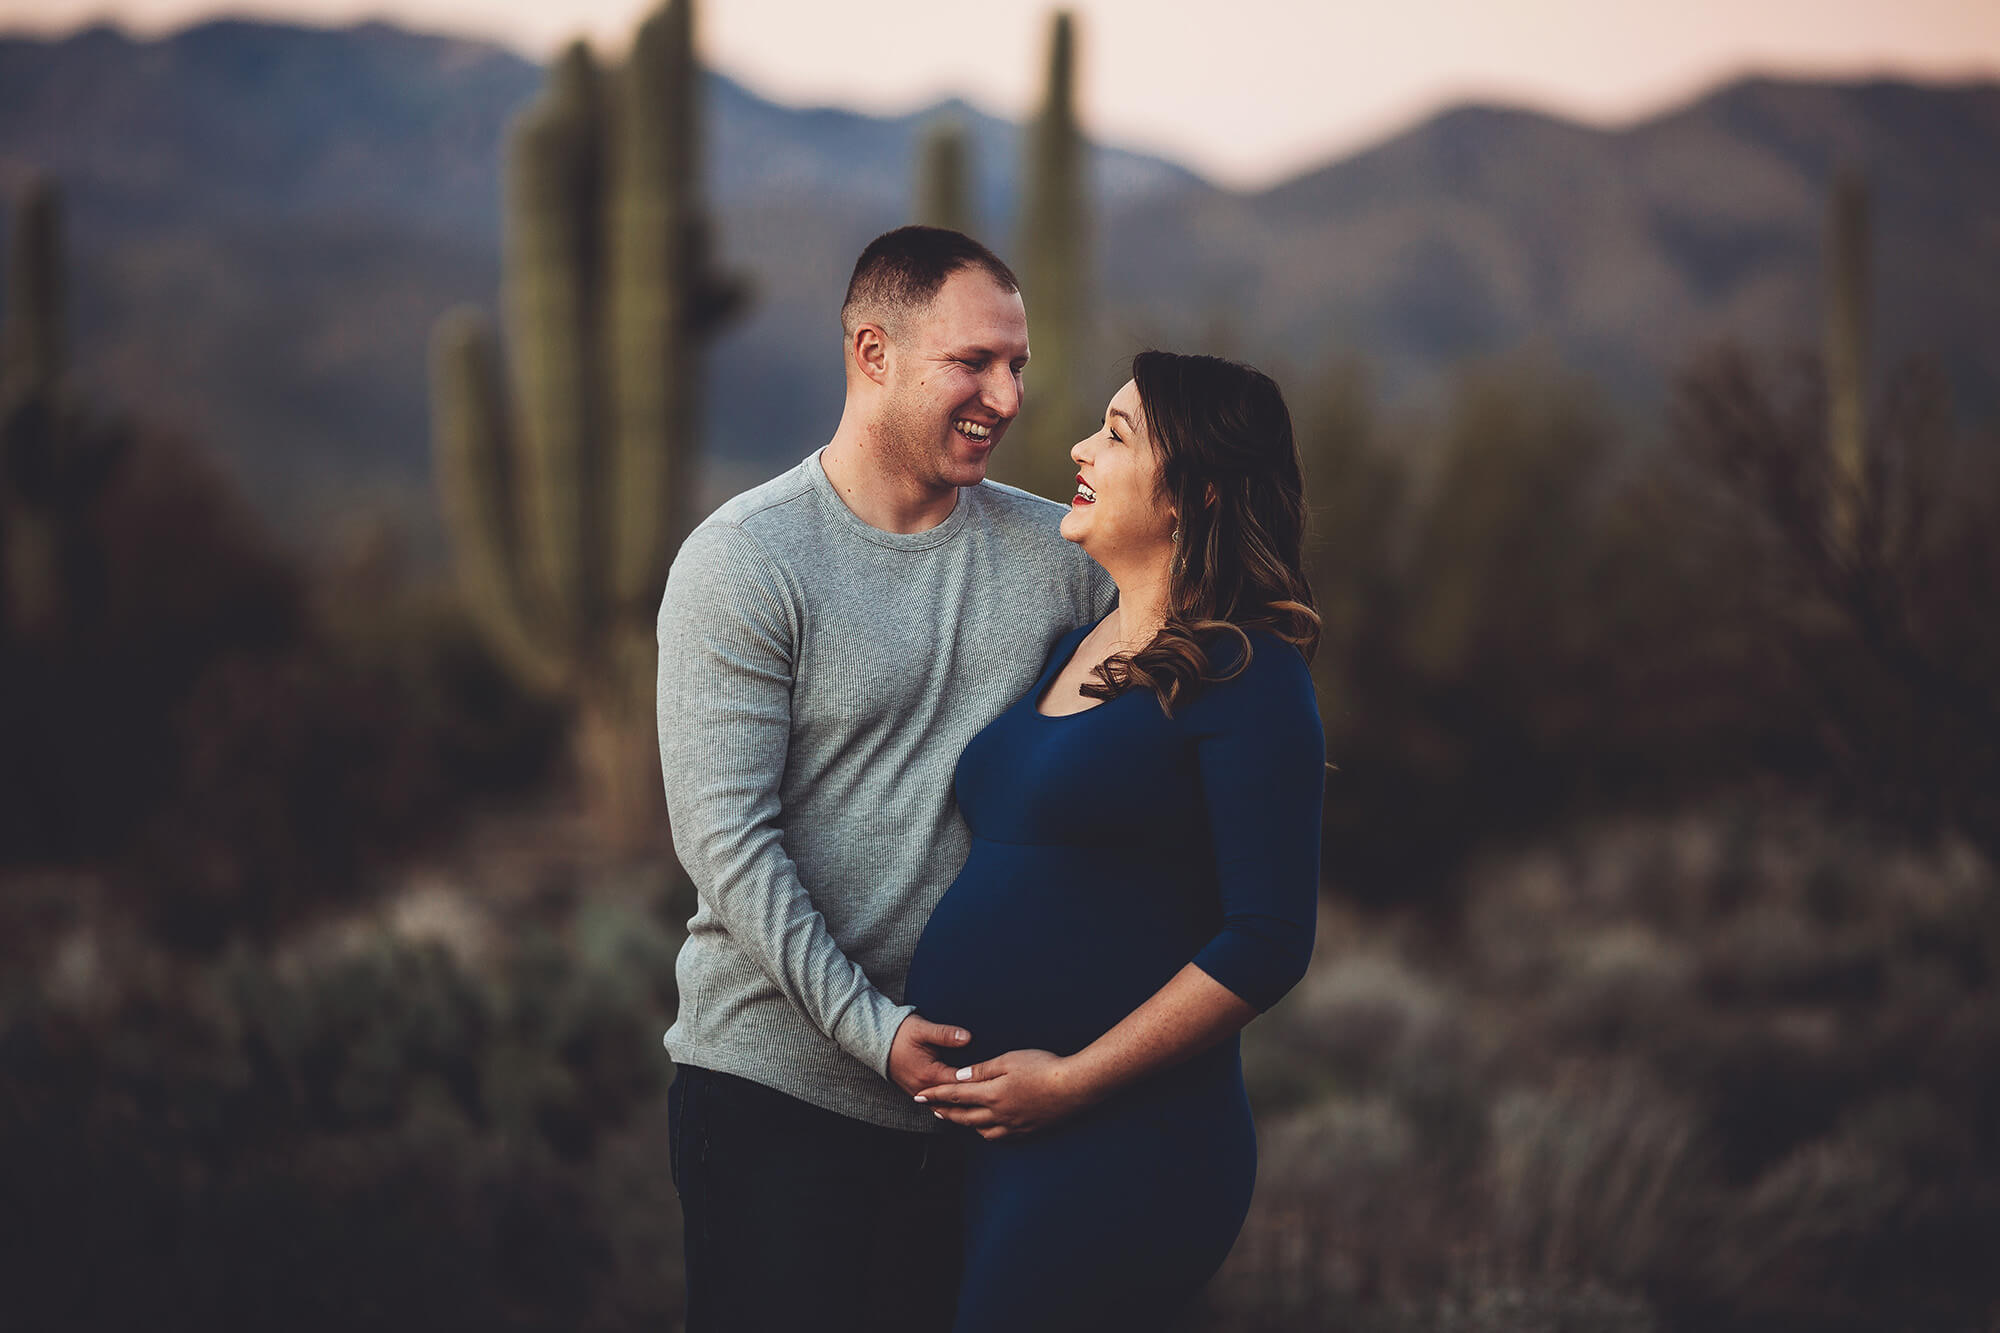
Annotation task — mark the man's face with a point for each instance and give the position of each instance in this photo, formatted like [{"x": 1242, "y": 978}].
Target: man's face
[{"x": 955, "y": 380}]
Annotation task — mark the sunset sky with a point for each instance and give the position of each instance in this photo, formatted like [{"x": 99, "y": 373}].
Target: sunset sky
[{"x": 1246, "y": 91}]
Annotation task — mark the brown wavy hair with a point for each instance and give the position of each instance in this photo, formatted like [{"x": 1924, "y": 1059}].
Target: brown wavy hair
[{"x": 1230, "y": 468}]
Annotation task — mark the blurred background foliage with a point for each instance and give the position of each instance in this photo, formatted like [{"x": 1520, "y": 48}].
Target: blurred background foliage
[{"x": 1658, "y": 983}]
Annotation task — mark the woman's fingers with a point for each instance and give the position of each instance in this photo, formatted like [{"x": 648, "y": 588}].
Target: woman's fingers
[
  {"x": 952, "y": 1094},
  {"x": 983, "y": 1119},
  {"x": 975, "y": 1116}
]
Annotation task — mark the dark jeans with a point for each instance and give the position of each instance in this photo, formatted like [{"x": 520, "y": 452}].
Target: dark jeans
[{"x": 800, "y": 1218}]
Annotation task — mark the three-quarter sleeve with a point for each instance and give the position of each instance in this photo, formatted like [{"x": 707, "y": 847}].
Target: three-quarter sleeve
[{"x": 1262, "y": 758}]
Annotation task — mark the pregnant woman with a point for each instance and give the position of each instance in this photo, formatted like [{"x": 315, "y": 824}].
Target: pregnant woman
[{"x": 1143, "y": 873}]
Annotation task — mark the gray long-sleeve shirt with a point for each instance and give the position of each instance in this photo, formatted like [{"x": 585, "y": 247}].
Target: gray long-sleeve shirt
[{"x": 818, "y": 678}]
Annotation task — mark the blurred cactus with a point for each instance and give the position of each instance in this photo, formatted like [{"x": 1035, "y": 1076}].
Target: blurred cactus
[
  {"x": 1847, "y": 309},
  {"x": 32, "y": 343},
  {"x": 566, "y": 512},
  {"x": 1053, "y": 242},
  {"x": 943, "y": 187},
  {"x": 55, "y": 460}
]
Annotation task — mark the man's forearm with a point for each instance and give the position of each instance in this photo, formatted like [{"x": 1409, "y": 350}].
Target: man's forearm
[
  {"x": 724, "y": 716},
  {"x": 756, "y": 894}
]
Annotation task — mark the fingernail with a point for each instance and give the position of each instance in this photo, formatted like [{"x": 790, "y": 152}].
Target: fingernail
[
  {"x": 962, "y": 1036},
  {"x": 965, "y": 1073},
  {"x": 938, "y": 1114},
  {"x": 922, "y": 1098}
]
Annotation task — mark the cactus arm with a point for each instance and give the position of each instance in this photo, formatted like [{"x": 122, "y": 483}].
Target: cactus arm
[{"x": 473, "y": 459}]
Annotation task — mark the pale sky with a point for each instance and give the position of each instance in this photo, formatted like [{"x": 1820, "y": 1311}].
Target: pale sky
[{"x": 1245, "y": 91}]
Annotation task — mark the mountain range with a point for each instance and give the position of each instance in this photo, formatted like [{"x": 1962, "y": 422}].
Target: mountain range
[{"x": 265, "y": 219}]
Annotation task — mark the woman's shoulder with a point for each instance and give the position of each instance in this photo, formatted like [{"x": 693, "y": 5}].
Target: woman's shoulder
[
  {"x": 1269, "y": 652},
  {"x": 1274, "y": 679}
]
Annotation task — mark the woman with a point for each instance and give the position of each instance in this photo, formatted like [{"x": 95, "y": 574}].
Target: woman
[{"x": 1143, "y": 874}]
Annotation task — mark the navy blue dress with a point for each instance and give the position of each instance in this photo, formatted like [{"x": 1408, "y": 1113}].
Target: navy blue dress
[{"x": 1110, "y": 848}]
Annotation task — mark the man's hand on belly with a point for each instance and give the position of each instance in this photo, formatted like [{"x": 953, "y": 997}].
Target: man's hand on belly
[{"x": 919, "y": 1052}]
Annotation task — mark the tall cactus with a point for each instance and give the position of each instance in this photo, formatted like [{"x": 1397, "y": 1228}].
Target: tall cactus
[
  {"x": 565, "y": 511},
  {"x": 1847, "y": 318},
  {"x": 33, "y": 340},
  {"x": 1053, "y": 245},
  {"x": 943, "y": 187},
  {"x": 55, "y": 460}
]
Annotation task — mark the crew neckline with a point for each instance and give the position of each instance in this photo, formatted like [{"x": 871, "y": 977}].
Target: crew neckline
[{"x": 936, "y": 535}]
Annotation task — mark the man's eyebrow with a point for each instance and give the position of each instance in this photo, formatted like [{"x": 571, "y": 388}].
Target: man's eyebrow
[{"x": 986, "y": 352}]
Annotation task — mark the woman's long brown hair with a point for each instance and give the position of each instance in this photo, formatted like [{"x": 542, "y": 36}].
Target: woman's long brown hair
[{"x": 1230, "y": 467}]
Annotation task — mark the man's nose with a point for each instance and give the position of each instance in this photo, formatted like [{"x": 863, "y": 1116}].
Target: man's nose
[{"x": 1003, "y": 393}]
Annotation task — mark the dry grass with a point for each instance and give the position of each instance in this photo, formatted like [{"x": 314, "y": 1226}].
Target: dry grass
[{"x": 1733, "y": 1069}]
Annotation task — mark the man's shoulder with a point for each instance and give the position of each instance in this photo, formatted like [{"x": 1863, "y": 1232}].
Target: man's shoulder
[
  {"x": 745, "y": 542},
  {"x": 766, "y": 503}
]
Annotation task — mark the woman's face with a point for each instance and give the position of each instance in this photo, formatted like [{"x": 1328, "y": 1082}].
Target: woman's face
[{"x": 1119, "y": 514}]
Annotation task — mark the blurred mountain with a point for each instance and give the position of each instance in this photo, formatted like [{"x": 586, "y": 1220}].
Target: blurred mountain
[
  {"x": 265, "y": 219},
  {"x": 1618, "y": 251}
]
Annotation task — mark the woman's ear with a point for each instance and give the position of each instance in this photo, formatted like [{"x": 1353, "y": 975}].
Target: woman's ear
[{"x": 1208, "y": 496}]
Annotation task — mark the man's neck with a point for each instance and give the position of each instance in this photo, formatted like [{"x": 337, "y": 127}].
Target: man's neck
[{"x": 876, "y": 489}]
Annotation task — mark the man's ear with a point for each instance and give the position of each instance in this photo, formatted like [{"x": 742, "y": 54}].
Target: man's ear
[{"x": 870, "y": 349}]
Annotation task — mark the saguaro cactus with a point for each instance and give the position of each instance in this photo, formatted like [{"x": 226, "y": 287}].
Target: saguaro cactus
[
  {"x": 55, "y": 460},
  {"x": 944, "y": 191},
  {"x": 1053, "y": 246},
  {"x": 565, "y": 511},
  {"x": 1847, "y": 311}
]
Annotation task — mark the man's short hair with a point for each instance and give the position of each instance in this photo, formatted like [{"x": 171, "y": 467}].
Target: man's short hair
[{"x": 901, "y": 271}]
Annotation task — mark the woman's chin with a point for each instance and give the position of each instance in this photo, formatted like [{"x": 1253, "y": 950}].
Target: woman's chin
[{"x": 1073, "y": 526}]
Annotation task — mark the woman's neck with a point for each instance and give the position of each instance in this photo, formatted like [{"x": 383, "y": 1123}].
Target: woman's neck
[{"x": 1142, "y": 606}]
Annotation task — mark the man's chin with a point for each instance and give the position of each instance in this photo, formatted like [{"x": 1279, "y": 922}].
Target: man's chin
[{"x": 966, "y": 470}]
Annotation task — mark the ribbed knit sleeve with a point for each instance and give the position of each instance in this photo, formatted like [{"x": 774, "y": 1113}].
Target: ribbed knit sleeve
[{"x": 727, "y": 645}]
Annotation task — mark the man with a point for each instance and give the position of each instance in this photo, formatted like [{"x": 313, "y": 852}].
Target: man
[{"x": 829, "y": 641}]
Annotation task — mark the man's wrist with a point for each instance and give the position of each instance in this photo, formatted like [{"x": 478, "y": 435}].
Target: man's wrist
[{"x": 885, "y": 1038}]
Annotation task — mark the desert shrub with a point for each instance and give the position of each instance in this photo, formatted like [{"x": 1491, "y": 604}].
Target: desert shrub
[
  {"x": 299, "y": 774},
  {"x": 243, "y": 740},
  {"x": 1594, "y": 1177},
  {"x": 1877, "y": 623},
  {"x": 377, "y": 1138},
  {"x": 184, "y": 573}
]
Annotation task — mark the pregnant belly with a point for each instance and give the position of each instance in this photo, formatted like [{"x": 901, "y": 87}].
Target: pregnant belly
[{"x": 1049, "y": 947}]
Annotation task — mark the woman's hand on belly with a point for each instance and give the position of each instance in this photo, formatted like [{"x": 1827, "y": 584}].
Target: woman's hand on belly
[{"x": 1013, "y": 1093}]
